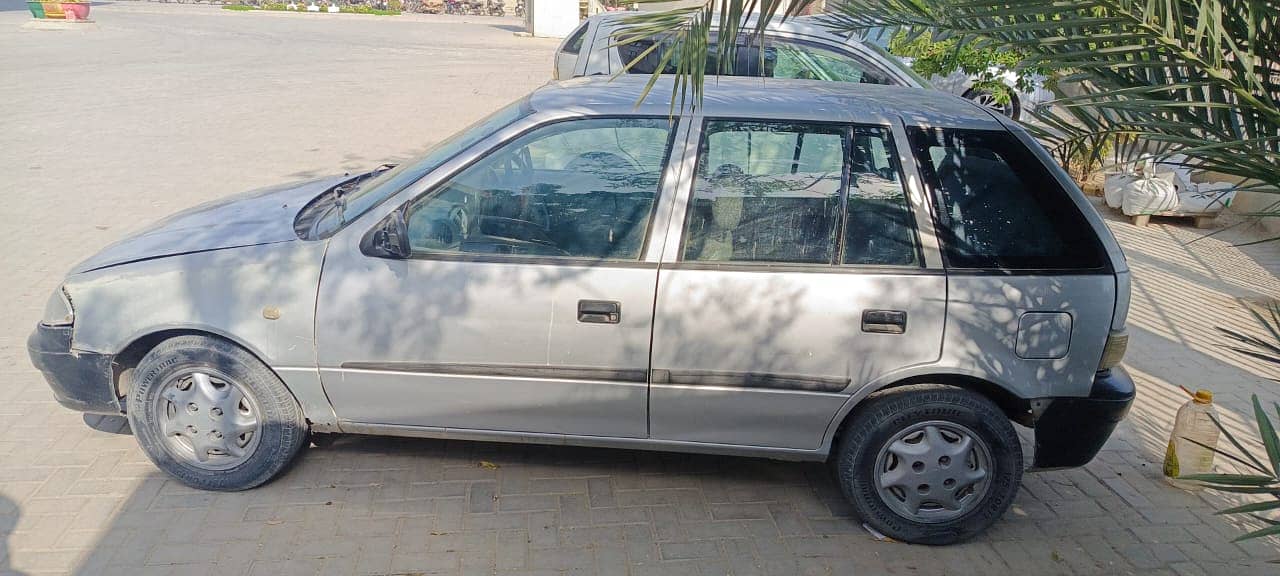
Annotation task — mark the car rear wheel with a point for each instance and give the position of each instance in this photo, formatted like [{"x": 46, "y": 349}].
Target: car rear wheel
[
  {"x": 212, "y": 415},
  {"x": 929, "y": 464},
  {"x": 984, "y": 98}
]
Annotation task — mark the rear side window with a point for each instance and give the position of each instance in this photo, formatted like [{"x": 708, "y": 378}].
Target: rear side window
[
  {"x": 998, "y": 207},
  {"x": 781, "y": 58},
  {"x": 798, "y": 193}
]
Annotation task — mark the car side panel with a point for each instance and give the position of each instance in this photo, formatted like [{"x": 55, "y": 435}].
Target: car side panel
[
  {"x": 790, "y": 344},
  {"x": 261, "y": 297},
  {"x": 983, "y": 319},
  {"x": 484, "y": 345}
]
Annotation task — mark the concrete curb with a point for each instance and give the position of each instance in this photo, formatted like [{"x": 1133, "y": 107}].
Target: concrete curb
[{"x": 49, "y": 25}]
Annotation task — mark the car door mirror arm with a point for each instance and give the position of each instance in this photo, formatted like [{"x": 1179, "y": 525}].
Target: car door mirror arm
[{"x": 389, "y": 239}]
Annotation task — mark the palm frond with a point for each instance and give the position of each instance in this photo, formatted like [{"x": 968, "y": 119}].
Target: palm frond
[{"x": 1182, "y": 75}]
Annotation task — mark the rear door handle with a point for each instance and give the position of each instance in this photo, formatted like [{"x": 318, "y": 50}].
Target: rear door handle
[
  {"x": 884, "y": 321},
  {"x": 599, "y": 311}
]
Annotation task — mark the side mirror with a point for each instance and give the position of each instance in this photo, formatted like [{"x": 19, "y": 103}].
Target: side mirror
[{"x": 388, "y": 239}]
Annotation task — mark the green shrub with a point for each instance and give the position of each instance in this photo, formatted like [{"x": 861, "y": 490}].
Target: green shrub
[{"x": 238, "y": 7}]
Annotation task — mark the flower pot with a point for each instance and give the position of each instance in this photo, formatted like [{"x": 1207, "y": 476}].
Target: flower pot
[
  {"x": 36, "y": 8},
  {"x": 53, "y": 10},
  {"x": 76, "y": 10}
]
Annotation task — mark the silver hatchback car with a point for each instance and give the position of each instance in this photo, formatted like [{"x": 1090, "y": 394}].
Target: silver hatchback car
[{"x": 880, "y": 277}]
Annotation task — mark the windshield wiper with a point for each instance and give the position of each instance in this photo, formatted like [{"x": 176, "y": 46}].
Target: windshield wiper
[{"x": 341, "y": 190}]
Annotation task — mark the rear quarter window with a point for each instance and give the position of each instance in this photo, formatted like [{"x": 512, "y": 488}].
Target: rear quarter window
[
  {"x": 998, "y": 207},
  {"x": 574, "y": 44}
]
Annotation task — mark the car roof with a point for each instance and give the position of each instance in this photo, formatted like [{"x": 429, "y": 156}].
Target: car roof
[{"x": 765, "y": 98}]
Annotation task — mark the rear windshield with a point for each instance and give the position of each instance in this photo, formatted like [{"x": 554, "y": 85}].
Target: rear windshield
[
  {"x": 782, "y": 58},
  {"x": 998, "y": 207}
]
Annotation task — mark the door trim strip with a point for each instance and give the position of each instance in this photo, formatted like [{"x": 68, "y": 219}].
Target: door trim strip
[
  {"x": 638, "y": 375},
  {"x": 628, "y": 443},
  {"x": 803, "y": 383}
]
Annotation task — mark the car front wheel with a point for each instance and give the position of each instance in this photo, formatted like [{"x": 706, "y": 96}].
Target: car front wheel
[
  {"x": 212, "y": 415},
  {"x": 929, "y": 464}
]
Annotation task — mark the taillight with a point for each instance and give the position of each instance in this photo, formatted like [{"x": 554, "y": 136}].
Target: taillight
[{"x": 1113, "y": 352}]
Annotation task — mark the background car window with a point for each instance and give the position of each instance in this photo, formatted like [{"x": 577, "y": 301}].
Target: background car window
[
  {"x": 583, "y": 188},
  {"x": 787, "y": 59},
  {"x": 574, "y": 44},
  {"x": 998, "y": 206},
  {"x": 879, "y": 228},
  {"x": 783, "y": 58},
  {"x": 766, "y": 192}
]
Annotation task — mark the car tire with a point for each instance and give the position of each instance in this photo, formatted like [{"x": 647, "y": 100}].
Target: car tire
[
  {"x": 198, "y": 395},
  {"x": 1013, "y": 110},
  {"x": 880, "y": 463}
]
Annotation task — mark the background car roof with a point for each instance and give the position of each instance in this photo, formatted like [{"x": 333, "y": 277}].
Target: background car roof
[{"x": 766, "y": 98}]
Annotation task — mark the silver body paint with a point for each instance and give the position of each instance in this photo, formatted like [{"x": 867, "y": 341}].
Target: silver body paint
[{"x": 491, "y": 347}]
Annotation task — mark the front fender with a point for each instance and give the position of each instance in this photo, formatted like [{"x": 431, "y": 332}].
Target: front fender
[{"x": 260, "y": 297}]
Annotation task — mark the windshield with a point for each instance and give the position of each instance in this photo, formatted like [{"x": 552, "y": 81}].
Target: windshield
[{"x": 354, "y": 203}]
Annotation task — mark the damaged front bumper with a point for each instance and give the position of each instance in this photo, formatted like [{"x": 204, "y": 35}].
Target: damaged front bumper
[
  {"x": 1071, "y": 431},
  {"x": 80, "y": 380}
]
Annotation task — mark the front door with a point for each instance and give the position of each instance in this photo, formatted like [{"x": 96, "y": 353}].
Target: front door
[
  {"x": 526, "y": 305},
  {"x": 797, "y": 278}
]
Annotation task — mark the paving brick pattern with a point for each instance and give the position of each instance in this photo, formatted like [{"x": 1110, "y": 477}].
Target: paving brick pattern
[{"x": 166, "y": 106}]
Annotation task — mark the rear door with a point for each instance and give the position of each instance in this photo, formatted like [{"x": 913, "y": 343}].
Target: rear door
[{"x": 793, "y": 275}]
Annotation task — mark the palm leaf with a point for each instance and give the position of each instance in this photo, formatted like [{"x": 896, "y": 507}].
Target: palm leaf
[
  {"x": 1268, "y": 434},
  {"x": 1254, "y": 507},
  {"x": 1201, "y": 76},
  {"x": 1232, "y": 479},
  {"x": 1272, "y": 530}
]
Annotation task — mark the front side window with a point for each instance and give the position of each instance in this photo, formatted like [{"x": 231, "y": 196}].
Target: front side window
[
  {"x": 780, "y": 192},
  {"x": 998, "y": 206},
  {"x": 580, "y": 189}
]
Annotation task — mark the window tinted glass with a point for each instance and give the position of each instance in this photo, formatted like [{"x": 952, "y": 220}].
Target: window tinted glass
[
  {"x": 574, "y": 45},
  {"x": 998, "y": 206},
  {"x": 879, "y": 228},
  {"x": 583, "y": 188},
  {"x": 782, "y": 59},
  {"x": 766, "y": 192}
]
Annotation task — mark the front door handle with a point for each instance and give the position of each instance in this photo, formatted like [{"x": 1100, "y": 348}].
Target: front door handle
[
  {"x": 599, "y": 311},
  {"x": 884, "y": 321}
]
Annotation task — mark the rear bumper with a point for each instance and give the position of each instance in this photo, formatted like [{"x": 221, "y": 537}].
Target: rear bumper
[
  {"x": 80, "y": 380},
  {"x": 1071, "y": 431}
]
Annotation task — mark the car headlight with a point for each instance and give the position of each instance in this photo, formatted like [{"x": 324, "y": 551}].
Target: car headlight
[{"x": 58, "y": 311}]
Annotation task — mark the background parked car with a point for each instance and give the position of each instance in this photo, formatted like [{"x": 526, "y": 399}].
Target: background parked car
[{"x": 797, "y": 48}]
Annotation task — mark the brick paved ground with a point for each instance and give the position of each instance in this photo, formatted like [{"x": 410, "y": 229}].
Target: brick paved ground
[{"x": 165, "y": 106}]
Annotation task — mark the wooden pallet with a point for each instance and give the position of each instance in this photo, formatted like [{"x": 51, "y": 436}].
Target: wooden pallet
[{"x": 1202, "y": 219}]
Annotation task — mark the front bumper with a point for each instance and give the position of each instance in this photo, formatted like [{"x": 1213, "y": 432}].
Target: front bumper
[
  {"x": 80, "y": 380},
  {"x": 1071, "y": 431}
]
